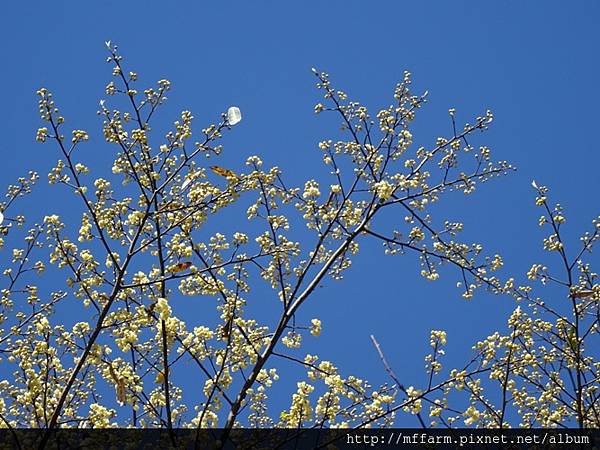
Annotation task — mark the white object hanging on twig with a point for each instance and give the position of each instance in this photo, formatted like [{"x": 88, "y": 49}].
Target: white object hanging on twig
[{"x": 234, "y": 115}]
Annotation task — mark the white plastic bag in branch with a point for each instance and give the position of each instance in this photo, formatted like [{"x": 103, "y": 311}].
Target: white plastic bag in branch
[{"x": 234, "y": 115}]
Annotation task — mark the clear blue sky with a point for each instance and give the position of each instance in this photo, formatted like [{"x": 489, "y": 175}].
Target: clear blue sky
[{"x": 534, "y": 64}]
